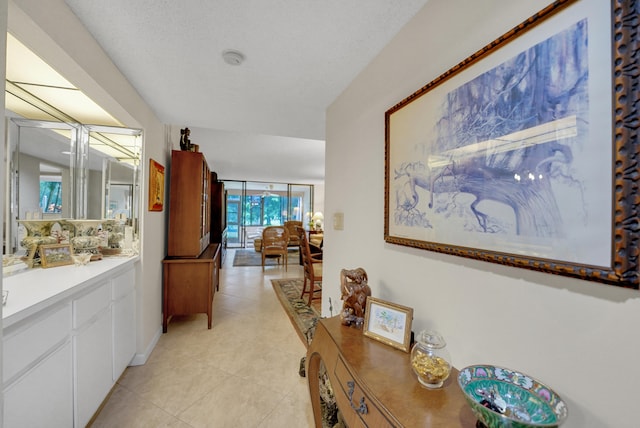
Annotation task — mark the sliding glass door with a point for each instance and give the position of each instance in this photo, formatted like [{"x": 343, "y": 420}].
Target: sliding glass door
[{"x": 252, "y": 206}]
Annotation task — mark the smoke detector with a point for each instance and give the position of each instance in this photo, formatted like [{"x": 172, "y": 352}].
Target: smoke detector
[{"x": 232, "y": 57}]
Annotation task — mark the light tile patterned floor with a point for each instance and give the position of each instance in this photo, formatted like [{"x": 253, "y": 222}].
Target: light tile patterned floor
[{"x": 241, "y": 373}]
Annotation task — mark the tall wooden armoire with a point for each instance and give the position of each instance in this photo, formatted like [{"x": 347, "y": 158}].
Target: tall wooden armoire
[{"x": 191, "y": 268}]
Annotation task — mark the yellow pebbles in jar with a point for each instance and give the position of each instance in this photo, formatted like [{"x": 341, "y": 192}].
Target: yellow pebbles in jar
[{"x": 430, "y": 360}]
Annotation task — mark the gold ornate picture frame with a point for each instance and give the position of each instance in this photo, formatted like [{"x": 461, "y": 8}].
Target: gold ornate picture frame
[
  {"x": 156, "y": 186},
  {"x": 53, "y": 255},
  {"x": 388, "y": 323},
  {"x": 504, "y": 160}
]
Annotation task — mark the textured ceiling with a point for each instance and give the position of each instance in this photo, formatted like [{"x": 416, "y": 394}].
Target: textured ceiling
[{"x": 300, "y": 55}]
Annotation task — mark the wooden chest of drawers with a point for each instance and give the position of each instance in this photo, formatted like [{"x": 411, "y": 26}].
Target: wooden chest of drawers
[
  {"x": 349, "y": 395},
  {"x": 374, "y": 385},
  {"x": 190, "y": 284}
]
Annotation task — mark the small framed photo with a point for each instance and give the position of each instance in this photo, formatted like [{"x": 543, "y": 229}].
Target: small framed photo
[
  {"x": 55, "y": 255},
  {"x": 389, "y": 323}
]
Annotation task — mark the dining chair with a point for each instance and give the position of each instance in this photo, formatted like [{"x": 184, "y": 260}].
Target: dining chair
[
  {"x": 312, "y": 271},
  {"x": 275, "y": 240},
  {"x": 291, "y": 226}
]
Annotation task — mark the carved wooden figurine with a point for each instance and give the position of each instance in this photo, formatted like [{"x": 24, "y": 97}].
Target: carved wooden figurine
[
  {"x": 185, "y": 143},
  {"x": 355, "y": 290}
]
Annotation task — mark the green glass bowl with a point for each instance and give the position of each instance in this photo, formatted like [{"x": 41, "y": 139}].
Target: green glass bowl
[{"x": 501, "y": 397}]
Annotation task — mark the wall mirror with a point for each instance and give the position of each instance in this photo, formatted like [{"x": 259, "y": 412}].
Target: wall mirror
[
  {"x": 58, "y": 170},
  {"x": 65, "y": 156},
  {"x": 119, "y": 151}
]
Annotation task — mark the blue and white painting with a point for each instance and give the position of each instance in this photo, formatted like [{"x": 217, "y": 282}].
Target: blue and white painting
[{"x": 505, "y": 161}]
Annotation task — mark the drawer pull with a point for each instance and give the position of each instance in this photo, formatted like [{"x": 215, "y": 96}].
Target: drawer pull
[{"x": 362, "y": 409}]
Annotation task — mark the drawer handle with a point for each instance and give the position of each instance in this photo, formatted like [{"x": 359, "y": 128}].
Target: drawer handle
[{"x": 362, "y": 409}]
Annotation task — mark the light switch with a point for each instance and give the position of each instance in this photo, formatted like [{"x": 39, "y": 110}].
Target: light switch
[{"x": 338, "y": 221}]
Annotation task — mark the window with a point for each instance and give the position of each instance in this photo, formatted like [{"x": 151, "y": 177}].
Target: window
[
  {"x": 51, "y": 196},
  {"x": 264, "y": 210}
]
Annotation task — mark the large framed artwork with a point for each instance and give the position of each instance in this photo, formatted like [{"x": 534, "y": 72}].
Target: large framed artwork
[{"x": 526, "y": 153}]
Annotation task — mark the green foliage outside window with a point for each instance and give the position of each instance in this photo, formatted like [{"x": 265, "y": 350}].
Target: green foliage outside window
[
  {"x": 51, "y": 196},
  {"x": 261, "y": 210}
]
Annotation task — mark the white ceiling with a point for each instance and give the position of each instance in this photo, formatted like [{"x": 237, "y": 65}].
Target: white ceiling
[{"x": 300, "y": 55}]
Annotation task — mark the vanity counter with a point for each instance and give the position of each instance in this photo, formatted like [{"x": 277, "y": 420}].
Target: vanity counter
[
  {"x": 39, "y": 288},
  {"x": 68, "y": 335}
]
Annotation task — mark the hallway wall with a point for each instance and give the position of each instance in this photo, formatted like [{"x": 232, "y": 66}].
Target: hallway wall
[{"x": 577, "y": 336}]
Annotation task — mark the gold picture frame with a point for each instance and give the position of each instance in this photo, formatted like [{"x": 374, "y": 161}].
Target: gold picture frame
[
  {"x": 156, "y": 186},
  {"x": 455, "y": 160},
  {"x": 388, "y": 323},
  {"x": 53, "y": 255}
]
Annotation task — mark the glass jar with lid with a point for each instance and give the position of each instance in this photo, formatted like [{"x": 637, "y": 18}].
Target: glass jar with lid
[{"x": 430, "y": 360}]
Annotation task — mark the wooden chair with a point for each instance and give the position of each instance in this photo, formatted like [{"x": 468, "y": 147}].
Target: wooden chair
[
  {"x": 312, "y": 270},
  {"x": 275, "y": 240},
  {"x": 291, "y": 226}
]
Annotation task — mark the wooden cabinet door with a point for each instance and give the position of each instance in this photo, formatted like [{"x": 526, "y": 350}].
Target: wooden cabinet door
[
  {"x": 189, "y": 204},
  {"x": 218, "y": 211}
]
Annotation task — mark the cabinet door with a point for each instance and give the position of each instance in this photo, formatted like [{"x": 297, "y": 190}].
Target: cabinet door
[
  {"x": 124, "y": 322},
  {"x": 94, "y": 375},
  {"x": 93, "y": 352},
  {"x": 218, "y": 210},
  {"x": 189, "y": 209},
  {"x": 25, "y": 345},
  {"x": 215, "y": 280},
  {"x": 43, "y": 397}
]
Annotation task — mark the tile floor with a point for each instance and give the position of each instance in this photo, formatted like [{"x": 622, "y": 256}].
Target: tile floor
[{"x": 241, "y": 373}]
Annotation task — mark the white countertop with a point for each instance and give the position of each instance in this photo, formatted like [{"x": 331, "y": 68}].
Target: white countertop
[{"x": 38, "y": 288}]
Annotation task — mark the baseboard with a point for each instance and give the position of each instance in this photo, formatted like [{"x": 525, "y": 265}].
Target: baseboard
[{"x": 141, "y": 358}]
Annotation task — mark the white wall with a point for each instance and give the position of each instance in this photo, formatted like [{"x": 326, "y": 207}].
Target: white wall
[
  {"x": 29, "y": 182},
  {"x": 54, "y": 33},
  {"x": 577, "y": 336},
  {"x": 318, "y": 199}
]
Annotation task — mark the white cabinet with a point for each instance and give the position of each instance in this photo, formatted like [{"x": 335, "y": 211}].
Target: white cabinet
[
  {"x": 37, "y": 371},
  {"x": 43, "y": 397},
  {"x": 124, "y": 321},
  {"x": 26, "y": 342},
  {"x": 63, "y": 353},
  {"x": 92, "y": 351}
]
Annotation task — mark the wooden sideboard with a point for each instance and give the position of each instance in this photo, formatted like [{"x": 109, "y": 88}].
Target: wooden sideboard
[
  {"x": 190, "y": 283},
  {"x": 375, "y": 386}
]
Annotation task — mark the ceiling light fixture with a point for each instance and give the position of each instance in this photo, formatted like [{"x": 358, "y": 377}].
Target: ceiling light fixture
[{"x": 232, "y": 57}]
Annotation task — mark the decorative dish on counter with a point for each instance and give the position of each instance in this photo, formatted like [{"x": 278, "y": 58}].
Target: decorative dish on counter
[{"x": 501, "y": 397}]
